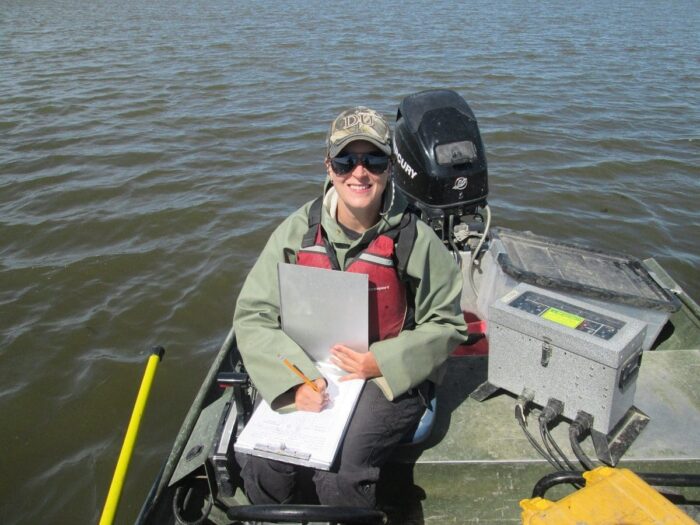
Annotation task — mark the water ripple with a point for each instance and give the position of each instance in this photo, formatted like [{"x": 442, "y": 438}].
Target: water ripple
[{"x": 147, "y": 150}]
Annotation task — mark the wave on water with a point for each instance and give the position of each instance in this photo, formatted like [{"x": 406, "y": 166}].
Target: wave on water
[{"x": 148, "y": 150}]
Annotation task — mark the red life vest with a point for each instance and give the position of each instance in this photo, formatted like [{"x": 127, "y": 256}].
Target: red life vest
[{"x": 388, "y": 303}]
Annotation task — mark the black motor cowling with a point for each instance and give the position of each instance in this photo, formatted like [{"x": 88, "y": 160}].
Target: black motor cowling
[{"x": 440, "y": 159}]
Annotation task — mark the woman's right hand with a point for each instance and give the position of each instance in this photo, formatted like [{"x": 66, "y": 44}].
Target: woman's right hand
[{"x": 306, "y": 398}]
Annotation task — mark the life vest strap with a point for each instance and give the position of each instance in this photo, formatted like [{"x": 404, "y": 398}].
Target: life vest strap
[
  {"x": 403, "y": 235},
  {"x": 375, "y": 259}
]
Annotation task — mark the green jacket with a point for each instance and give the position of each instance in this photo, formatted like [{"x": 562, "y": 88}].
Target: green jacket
[{"x": 405, "y": 361}]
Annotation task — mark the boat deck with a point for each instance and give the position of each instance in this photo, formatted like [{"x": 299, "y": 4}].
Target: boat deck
[
  {"x": 479, "y": 454},
  {"x": 477, "y": 464}
]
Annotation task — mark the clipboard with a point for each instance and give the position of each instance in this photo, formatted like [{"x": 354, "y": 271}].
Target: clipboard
[
  {"x": 310, "y": 439},
  {"x": 318, "y": 308}
]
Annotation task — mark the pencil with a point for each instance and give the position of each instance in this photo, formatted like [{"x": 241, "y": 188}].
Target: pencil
[{"x": 298, "y": 372}]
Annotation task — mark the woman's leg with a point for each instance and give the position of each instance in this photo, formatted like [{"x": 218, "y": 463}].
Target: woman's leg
[
  {"x": 267, "y": 481},
  {"x": 376, "y": 428}
]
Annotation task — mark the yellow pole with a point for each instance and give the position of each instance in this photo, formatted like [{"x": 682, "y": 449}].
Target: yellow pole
[{"x": 132, "y": 431}]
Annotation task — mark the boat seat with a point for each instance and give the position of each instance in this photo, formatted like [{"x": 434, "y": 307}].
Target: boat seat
[{"x": 426, "y": 423}]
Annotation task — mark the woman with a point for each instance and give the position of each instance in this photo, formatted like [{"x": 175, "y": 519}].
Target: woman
[{"x": 415, "y": 317}]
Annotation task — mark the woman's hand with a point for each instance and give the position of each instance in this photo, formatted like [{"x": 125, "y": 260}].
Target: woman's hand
[
  {"x": 360, "y": 365},
  {"x": 306, "y": 398}
]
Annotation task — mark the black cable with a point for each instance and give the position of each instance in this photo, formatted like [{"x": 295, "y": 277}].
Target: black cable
[
  {"x": 671, "y": 480},
  {"x": 556, "y": 478},
  {"x": 654, "y": 479},
  {"x": 549, "y": 413},
  {"x": 177, "y": 507},
  {"x": 577, "y": 431},
  {"x": 306, "y": 514},
  {"x": 519, "y": 416},
  {"x": 543, "y": 426},
  {"x": 548, "y": 435},
  {"x": 579, "y": 453}
]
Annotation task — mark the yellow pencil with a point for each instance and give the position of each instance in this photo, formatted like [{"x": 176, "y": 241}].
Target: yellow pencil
[{"x": 298, "y": 372}]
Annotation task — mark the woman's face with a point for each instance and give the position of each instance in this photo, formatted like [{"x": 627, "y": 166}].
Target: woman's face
[{"x": 359, "y": 190}]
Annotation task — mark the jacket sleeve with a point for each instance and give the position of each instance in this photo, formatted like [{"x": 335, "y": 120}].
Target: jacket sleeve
[
  {"x": 415, "y": 355},
  {"x": 256, "y": 321}
]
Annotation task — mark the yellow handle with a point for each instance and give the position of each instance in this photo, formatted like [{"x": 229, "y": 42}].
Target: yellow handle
[{"x": 115, "y": 489}]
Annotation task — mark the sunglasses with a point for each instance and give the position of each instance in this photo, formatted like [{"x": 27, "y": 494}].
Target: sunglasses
[{"x": 376, "y": 164}]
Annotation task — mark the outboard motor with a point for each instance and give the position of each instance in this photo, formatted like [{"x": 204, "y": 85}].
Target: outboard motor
[{"x": 441, "y": 164}]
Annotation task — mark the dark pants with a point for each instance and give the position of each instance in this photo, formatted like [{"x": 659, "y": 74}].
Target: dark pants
[{"x": 376, "y": 428}]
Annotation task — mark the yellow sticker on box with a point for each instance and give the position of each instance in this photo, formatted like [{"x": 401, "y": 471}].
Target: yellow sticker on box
[{"x": 563, "y": 318}]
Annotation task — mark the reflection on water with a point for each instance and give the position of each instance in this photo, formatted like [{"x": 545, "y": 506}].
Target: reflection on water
[{"x": 146, "y": 152}]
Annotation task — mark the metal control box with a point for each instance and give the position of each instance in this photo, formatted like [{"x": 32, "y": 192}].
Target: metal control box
[{"x": 555, "y": 346}]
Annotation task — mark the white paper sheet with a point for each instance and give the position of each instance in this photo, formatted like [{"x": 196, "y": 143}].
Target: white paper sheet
[{"x": 303, "y": 438}]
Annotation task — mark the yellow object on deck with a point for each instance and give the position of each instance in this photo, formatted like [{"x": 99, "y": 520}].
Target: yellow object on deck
[
  {"x": 610, "y": 497},
  {"x": 115, "y": 489}
]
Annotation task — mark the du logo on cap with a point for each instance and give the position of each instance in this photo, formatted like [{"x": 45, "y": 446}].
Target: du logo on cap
[
  {"x": 366, "y": 118},
  {"x": 358, "y": 123}
]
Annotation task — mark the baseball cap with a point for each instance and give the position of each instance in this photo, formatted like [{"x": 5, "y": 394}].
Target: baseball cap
[{"x": 358, "y": 123}]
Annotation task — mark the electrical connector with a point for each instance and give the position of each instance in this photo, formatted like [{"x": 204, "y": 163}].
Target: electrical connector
[
  {"x": 582, "y": 424},
  {"x": 553, "y": 410},
  {"x": 577, "y": 431},
  {"x": 526, "y": 397},
  {"x": 524, "y": 400},
  {"x": 549, "y": 413}
]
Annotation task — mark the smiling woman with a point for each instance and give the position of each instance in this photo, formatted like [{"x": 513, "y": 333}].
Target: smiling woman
[
  {"x": 354, "y": 227},
  {"x": 359, "y": 175},
  {"x": 147, "y": 154}
]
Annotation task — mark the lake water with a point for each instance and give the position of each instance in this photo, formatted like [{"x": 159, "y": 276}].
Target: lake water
[{"x": 148, "y": 149}]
